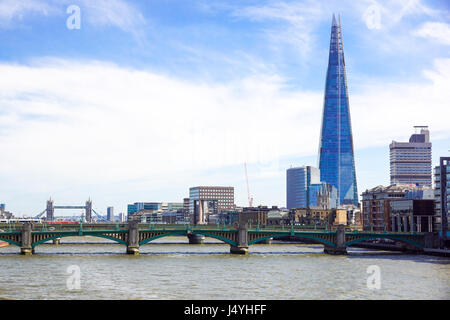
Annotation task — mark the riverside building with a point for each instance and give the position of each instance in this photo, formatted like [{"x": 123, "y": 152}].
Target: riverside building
[{"x": 410, "y": 162}]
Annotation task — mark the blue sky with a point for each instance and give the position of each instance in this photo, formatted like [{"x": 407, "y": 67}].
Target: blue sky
[{"x": 148, "y": 98}]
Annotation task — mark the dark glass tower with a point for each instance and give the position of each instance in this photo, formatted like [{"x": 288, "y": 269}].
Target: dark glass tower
[{"x": 336, "y": 157}]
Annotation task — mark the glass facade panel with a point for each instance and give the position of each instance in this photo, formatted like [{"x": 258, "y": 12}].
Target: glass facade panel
[{"x": 336, "y": 156}]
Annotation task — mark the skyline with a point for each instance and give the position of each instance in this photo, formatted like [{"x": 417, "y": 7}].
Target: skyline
[{"x": 92, "y": 112}]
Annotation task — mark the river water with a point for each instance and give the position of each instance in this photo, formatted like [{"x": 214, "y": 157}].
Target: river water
[{"x": 170, "y": 268}]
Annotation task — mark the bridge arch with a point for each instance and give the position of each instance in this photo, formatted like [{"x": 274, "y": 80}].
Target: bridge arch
[
  {"x": 10, "y": 241},
  {"x": 379, "y": 236},
  {"x": 34, "y": 244},
  {"x": 170, "y": 233},
  {"x": 215, "y": 236},
  {"x": 298, "y": 236},
  {"x": 185, "y": 233}
]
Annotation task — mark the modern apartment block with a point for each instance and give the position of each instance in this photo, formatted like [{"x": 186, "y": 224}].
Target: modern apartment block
[
  {"x": 336, "y": 154},
  {"x": 442, "y": 199},
  {"x": 209, "y": 200},
  {"x": 411, "y": 161}
]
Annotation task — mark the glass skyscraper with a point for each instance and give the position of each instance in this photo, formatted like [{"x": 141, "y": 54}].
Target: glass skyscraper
[
  {"x": 336, "y": 156},
  {"x": 298, "y": 182}
]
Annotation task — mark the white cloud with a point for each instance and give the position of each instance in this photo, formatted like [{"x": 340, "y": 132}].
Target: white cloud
[
  {"x": 68, "y": 124},
  {"x": 13, "y": 9},
  {"x": 438, "y": 31},
  {"x": 87, "y": 122},
  {"x": 383, "y": 112}
]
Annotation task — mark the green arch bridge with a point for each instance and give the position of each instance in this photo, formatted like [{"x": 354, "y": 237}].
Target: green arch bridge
[{"x": 133, "y": 235}]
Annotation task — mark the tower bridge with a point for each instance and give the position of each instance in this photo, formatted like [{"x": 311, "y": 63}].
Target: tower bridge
[
  {"x": 240, "y": 238},
  {"x": 50, "y": 211}
]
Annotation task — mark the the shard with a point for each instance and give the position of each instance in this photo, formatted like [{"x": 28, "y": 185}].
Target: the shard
[{"x": 336, "y": 156}]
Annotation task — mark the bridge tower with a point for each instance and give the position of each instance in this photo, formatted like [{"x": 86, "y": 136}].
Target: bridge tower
[
  {"x": 88, "y": 214},
  {"x": 50, "y": 210}
]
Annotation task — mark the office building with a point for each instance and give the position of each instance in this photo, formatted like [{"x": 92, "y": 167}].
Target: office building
[
  {"x": 139, "y": 206},
  {"x": 304, "y": 189},
  {"x": 410, "y": 162},
  {"x": 110, "y": 214},
  {"x": 336, "y": 154},
  {"x": 209, "y": 200},
  {"x": 298, "y": 182},
  {"x": 442, "y": 195},
  {"x": 122, "y": 217}
]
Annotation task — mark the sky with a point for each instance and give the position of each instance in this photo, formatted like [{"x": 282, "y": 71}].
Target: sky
[{"x": 123, "y": 101}]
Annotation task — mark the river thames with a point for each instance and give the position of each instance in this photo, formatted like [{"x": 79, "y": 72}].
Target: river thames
[{"x": 170, "y": 268}]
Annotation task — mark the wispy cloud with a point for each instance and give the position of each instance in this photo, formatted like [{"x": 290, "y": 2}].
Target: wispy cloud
[
  {"x": 386, "y": 14},
  {"x": 437, "y": 31},
  {"x": 294, "y": 22},
  {"x": 99, "y": 13},
  {"x": 12, "y": 10}
]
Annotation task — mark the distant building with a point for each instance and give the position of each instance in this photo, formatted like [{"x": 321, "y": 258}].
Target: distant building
[
  {"x": 376, "y": 204},
  {"x": 139, "y": 206},
  {"x": 110, "y": 214},
  {"x": 5, "y": 214},
  {"x": 228, "y": 217},
  {"x": 255, "y": 215},
  {"x": 298, "y": 185},
  {"x": 209, "y": 200},
  {"x": 278, "y": 217},
  {"x": 442, "y": 198},
  {"x": 122, "y": 217},
  {"x": 173, "y": 217},
  {"x": 186, "y": 209},
  {"x": 158, "y": 207},
  {"x": 410, "y": 162},
  {"x": 412, "y": 215},
  {"x": 318, "y": 217}
]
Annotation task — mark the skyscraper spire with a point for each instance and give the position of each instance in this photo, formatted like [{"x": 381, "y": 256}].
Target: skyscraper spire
[{"x": 336, "y": 156}]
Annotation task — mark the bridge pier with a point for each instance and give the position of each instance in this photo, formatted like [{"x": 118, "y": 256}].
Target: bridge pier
[
  {"x": 133, "y": 237},
  {"x": 242, "y": 246},
  {"x": 26, "y": 248},
  {"x": 431, "y": 240},
  {"x": 340, "y": 248},
  {"x": 267, "y": 241},
  {"x": 196, "y": 238},
  {"x": 56, "y": 241}
]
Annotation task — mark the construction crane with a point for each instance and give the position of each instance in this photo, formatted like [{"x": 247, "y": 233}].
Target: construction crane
[{"x": 250, "y": 199}]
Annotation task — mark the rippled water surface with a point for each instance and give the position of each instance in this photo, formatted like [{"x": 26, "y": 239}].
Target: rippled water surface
[{"x": 170, "y": 268}]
